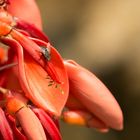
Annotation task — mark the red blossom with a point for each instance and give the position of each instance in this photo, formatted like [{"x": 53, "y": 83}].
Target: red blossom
[
  {"x": 93, "y": 95},
  {"x": 36, "y": 83}
]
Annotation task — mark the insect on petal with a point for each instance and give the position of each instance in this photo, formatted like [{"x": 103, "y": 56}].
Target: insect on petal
[{"x": 37, "y": 84}]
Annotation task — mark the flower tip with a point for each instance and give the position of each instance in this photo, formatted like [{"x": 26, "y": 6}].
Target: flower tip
[
  {"x": 119, "y": 122},
  {"x": 120, "y": 126}
]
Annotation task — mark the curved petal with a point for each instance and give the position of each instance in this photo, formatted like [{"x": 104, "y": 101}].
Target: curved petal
[
  {"x": 30, "y": 124},
  {"x": 5, "y": 128},
  {"x": 21, "y": 8},
  {"x": 38, "y": 86},
  {"x": 48, "y": 124},
  {"x": 94, "y": 95},
  {"x": 31, "y": 29},
  {"x": 17, "y": 133},
  {"x": 52, "y": 96}
]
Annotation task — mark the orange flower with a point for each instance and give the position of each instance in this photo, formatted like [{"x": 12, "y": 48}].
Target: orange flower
[
  {"x": 38, "y": 86},
  {"x": 34, "y": 67},
  {"x": 30, "y": 126},
  {"x": 42, "y": 74},
  {"x": 95, "y": 98}
]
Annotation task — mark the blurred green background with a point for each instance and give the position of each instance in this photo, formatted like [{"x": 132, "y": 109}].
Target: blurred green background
[{"x": 103, "y": 36}]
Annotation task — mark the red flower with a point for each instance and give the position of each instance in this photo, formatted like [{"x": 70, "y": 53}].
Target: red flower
[
  {"x": 36, "y": 69},
  {"x": 16, "y": 120},
  {"x": 34, "y": 82},
  {"x": 39, "y": 65}
]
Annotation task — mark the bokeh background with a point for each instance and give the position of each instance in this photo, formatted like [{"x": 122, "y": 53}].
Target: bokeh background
[{"x": 103, "y": 36}]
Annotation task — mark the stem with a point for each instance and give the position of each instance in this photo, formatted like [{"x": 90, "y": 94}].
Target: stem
[{"x": 8, "y": 66}]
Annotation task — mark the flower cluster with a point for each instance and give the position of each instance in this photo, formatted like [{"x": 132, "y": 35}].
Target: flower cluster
[{"x": 36, "y": 84}]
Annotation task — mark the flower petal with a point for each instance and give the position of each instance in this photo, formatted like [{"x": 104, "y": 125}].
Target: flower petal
[
  {"x": 52, "y": 96},
  {"x": 38, "y": 86},
  {"x": 5, "y": 129},
  {"x": 21, "y": 9},
  {"x": 72, "y": 103},
  {"x": 48, "y": 124},
  {"x": 94, "y": 95},
  {"x": 30, "y": 124},
  {"x": 31, "y": 29},
  {"x": 17, "y": 133}
]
